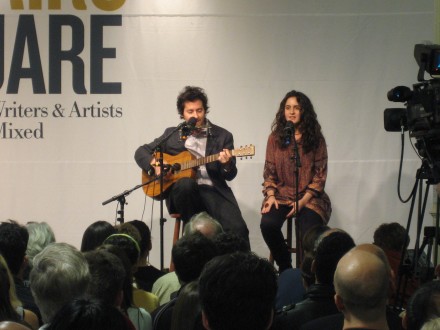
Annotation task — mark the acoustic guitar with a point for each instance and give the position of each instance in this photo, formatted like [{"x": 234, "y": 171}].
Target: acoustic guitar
[{"x": 182, "y": 166}]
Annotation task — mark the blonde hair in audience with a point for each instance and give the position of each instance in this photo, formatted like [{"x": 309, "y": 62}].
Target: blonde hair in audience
[{"x": 15, "y": 302}]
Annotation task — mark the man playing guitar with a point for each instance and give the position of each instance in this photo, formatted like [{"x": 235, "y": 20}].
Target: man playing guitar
[{"x": 208, "y": 190}]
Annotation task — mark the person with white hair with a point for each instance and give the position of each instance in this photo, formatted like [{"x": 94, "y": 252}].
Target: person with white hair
[{"x": 60, "y": 274}]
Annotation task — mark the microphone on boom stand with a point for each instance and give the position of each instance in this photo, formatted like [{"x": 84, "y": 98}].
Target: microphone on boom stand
[
  {"x": 289, "y": 129},
  {"x": 187, "y": 127}
]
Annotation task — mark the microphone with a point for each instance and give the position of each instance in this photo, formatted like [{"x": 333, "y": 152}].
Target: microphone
[
  {"x": 190, "y": 123},
  {"x": 289, "y": 129},
  {"x": 187, "y": 127}
]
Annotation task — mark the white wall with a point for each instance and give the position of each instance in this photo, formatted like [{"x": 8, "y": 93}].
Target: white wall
[{"x": 344, "y": 54}]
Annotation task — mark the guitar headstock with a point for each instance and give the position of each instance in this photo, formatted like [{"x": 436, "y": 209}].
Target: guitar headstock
[{"x": 246, "y": 151}]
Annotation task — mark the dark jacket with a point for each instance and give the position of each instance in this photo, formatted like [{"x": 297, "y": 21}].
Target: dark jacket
[{"x": 318, "y": 302}]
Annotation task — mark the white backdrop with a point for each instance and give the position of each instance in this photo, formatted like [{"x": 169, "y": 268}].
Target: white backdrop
[{"x": 345, "y": 55}]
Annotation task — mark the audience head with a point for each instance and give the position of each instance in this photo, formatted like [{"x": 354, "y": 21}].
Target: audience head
[
  {"x": 229, "y": 242},
  {"x": 13, "y": 243},
  {"x": 237, "y": 291},
  {"x": 432, "y": 324},
  {"x": 95, "y": 234},
  {"x": 310, "y": 236},
  {"x": 126, "y": 243},
  {"x": 127, "y": 287},
  {"x": 423, "y": 305},
  {"x": 40, "y": 236},
  {"x": 80, "y": 314},
  {"x": 376, "y": 250},
  {"x": 361, "y": 284},
  {"x": 190, "y": 254},
  {"x": 107, "y": 276},
  {"x": 60, "y": 274},
  {"x": 187, "y": 313},
  {"x": 131, "y": 230},
  {"x": 391, "y": 236},
  {"x": 204, "y": 223},
  {"x": 328, "y": 253},
  {"x": 145, "y": 236},
  {"x": 308, "y": 245},
  {"x": 9, "y": 325}
]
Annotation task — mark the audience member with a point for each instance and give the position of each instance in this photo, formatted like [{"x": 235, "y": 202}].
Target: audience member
[
  {"x": 169, "y": 283},
  {"x": 164, "y": 286},
  {"x": 60, "y": 274},
  {"x": 309, "y": 248},
  {"x": 40, "y": 236},
  {"x": 9, "y": 325},
  {"x": 131, "y": 230},
  {"x": 361, "y": 284},
  {"x": 293, "y": 282},
  {"x": 319, "y": 299},
  {"x": 128, "y": 244},
  {"x": 393, "y": 240},
  {"x": 336, "y": 321},
  {"x": 423, "y": 305},
  {"x": 95, "y": 234},
  {"x": 432, "y": 324},
  {"x": 229, "y": 242},
  {"x": 187, "y": 313},
  {"x": 203, "y": 223},
  {"x": 146, "y": 273},
  {"x": 86, "y": 314},
  {"x": 107, "y": 282},
  {"x": 13, "y": 244},
  {"x": 7, "y": 311},
  {"x": 107, "y": 276},
  {"x": 9, "y": 300},
  {"x": 190, "y": 254},
  {"x": 237, "y": 291}
]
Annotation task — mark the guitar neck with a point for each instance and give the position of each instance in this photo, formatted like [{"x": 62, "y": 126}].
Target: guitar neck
[
  {"x": 198, "y": 162},
  {"x": 208, "y": 159}
]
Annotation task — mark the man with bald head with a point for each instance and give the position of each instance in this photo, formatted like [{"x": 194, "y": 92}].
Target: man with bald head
[
  {"x": 336, "y": 322},
  {"x": 318, "y": 300},
  {"x": 361, "y": 284}
]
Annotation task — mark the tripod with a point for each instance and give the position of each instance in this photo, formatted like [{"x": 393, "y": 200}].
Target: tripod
[{"x": 412, "y": 268}]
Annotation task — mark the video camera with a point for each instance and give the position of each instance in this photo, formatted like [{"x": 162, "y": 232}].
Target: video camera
[{"x": 421, "y": 117}]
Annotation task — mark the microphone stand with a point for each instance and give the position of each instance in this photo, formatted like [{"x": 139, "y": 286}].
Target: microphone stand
[
  {"x": 121, "y": 199},
  {"x": 298, "y": 226},
  {"x": 158, "y": 149}
]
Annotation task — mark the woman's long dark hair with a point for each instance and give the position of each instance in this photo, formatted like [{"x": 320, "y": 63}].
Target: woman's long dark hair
[
  {"x": 308, "y": 126},
  {"x": 95, "y": 234}
]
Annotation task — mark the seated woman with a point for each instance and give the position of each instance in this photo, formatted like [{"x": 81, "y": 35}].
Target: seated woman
[
  {"x": 95, "y": 234},
  {"x": 146, "y": 274}
]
